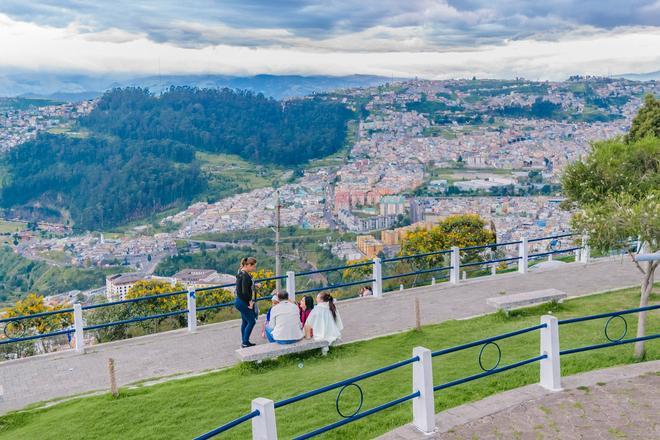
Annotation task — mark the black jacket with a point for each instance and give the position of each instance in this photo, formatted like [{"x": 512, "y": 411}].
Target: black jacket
[{"x": 244, "y": 289}]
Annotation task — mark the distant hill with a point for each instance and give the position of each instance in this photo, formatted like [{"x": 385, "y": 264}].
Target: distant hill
[
  {"x": 74, "y": 87},
  {"x": 649, "y": 76},
  {"x": 137, "y": 154}
]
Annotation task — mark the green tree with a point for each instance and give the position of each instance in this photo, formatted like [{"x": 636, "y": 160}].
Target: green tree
[
  {"x": 616, "y": 194},
  {"x": 647, "y": 121},
  {"x": 456, "y": 230},
  {"x": 34, "y": 304}
]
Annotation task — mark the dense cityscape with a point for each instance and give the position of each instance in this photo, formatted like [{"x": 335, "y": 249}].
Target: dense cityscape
[{"x": 404, "y": 165}]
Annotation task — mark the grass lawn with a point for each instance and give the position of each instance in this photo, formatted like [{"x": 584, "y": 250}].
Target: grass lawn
[{"x": 189, "y": 407}]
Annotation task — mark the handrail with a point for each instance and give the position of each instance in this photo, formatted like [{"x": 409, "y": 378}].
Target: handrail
[
  {"x": 359, "y": 416},
  {"x": 417, "y": 272},
  {"x": 331, "y": 269},
  {"x": 498, "y": 260},
  {"x": 334, "y": 286},
  {"x": 139, "y": 319},
  {"x": 609, "y": 314},
  {"x": 609, "y": 344},
  {"x": 557, "y": 251},
  {"x": 407, "y": 257},
  {"x": 341, "y": 383},
  {"x": 486, "y": 246},
  {"x": 39, "y": 336},
  {"x": 488, "y": 373},
  {"x": 36, "y": 315},
  {"x": 221, "y": 286},
  {"x": 134, "y": 300},
  {"x": 227, "y": 426},
  {"x": 487, "y": 340},
  {"x": 551, "y": 237}
]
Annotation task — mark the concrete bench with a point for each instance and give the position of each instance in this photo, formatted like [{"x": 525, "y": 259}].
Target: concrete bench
[
  {"x": 273, "y": 350},
  {"x": 525, "y": 299}
]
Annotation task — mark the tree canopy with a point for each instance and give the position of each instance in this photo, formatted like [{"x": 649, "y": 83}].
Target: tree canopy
[
  {"x": 225, "y": 121},
  {"x": 647, "y": 121},
  {"x": 615, "y": 191}
]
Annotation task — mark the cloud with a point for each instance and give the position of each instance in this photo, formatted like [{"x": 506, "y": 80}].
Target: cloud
[
  {"x": 432, "y": 24},
  {"x": 74, "y": 48},
  {"x": 549, "y": 39}
]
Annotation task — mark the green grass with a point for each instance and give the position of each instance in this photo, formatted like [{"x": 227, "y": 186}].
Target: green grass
[
  {"x": 188, "y": 407},
  {"x": 11, "y": 227},
  {"x": 229, "y": 174}
]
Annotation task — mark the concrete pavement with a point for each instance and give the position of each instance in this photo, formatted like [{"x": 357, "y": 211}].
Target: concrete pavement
[{"x": 57, "y": 375}]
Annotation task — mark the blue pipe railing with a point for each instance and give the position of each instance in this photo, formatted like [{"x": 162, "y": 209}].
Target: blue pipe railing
[
  {"x": 334, "y": 286},
  {"x": 417, "y": 272},
  {"x": 487, "y": 372},
  {"x": 551, "y": 237},
  {"x": 612, "y": 341},
  {"x": 281, "y": 277},
  {"x": 227, "y": 426},
  {"x": 332, "y": 269}
]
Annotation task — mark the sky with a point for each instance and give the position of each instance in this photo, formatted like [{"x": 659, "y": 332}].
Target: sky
[{"x": 538, "y": 39}]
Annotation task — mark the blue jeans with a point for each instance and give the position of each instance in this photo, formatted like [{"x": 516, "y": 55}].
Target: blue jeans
[
  {"x": 269, "y": 336},
  {"x": 248, "y": 319}
]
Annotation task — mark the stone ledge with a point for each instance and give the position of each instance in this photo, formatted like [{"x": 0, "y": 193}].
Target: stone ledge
[
  {"x": 272, "y": 350},
  {"x": 508, "y": 302}
]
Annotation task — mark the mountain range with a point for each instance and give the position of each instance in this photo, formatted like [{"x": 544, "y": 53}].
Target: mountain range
[{"x": 78, "y": 86}]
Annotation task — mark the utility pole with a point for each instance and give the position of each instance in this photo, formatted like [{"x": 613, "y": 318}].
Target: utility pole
[{"x": 278, "y": 257}]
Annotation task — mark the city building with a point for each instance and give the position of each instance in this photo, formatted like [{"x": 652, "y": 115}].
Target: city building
[
  {"x": 392, "y": 205},
  {"x": 200, "y": 278},
  {"x": 118, "y": 285},
  {"x": 369, "y": 245}
]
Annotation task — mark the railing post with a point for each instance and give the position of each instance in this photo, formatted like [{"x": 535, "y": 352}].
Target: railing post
[
  {"x": 523, "y": 249},
  {"x": 377, "y": 285},
  {"x": 192, "y": 311},
  {"x": 455, "y": 263},
  {"x": 78, "y": 326},
  {"x": 550, "y": 366},
  {"x": 577, "y": 256},
  {"x": 291, "y": 285},
  {"x": 550, "y": 257},
  {"x": 585, "y": 253},
  {"x": 264, "y": 426},
  {"x": 423, "y": 406}
]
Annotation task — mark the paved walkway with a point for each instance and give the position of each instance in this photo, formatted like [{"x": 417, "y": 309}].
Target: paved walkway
[
  {"x": 55, "y": 375},
  {"x": 614, "y": 403}
]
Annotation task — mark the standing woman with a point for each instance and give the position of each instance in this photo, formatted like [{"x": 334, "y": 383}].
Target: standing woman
[{"x": 245, "y": 299}]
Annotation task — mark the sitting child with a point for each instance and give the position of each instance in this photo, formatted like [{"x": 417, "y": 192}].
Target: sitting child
[
  {"x": 284, "y": 325},
  {"x": 324, "y": 320}
]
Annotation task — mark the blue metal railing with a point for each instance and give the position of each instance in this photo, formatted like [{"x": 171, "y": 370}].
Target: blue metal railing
[
  {"x": 495, "y": 369},
  {"x": 227, "y": 426},
  {"x": 612, "y": 341},
  {"x": 9, "y": 321},
  {"x": 16, "y": 325}
]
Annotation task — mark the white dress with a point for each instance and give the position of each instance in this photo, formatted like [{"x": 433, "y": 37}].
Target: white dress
[{"x": 324, "y": 326}]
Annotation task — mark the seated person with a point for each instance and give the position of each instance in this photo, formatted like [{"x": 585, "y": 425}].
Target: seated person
[
  {"x": 275, "y": 300},
  {"x": 284, "y": 326},
  {"x": 324, "y": 320},
  {"x": 306, "y": 305},
  {"x": 366, "y": 291}
]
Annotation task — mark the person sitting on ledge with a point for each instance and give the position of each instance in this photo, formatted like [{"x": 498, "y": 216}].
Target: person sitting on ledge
[
  {"x": 324, "y": 320},
  {"x": 284, "y": 325}
]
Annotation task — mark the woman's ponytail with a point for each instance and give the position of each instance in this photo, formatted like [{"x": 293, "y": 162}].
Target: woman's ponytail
[{"x": 326, "y": 297}]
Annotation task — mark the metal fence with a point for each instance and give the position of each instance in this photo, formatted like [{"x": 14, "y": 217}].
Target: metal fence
[
  {"x": 17, "y": 329},
  {"x": 263, "y": 414}
]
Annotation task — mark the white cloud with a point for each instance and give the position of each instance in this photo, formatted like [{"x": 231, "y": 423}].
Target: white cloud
[{"x": 75, "y": 48}]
